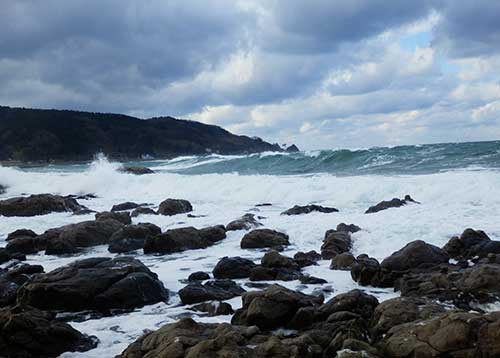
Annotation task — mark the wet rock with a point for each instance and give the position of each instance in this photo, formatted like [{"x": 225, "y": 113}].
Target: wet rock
[
  {"x": 3, "y": 189},
  {"x": 137, "y": 170},
  {"x": 299, "y": 210},
  {"x": 261, "y": 273},
  {"x": 233, "y": 267},
  {"x": 181, "y": 239},
  {"x": 99, "y": 284},
  {"x": 143, "y": 211},
  {"x": 263, "y": 204},
  {"x": 311, "y": 280},
  {"x": 264, "y": 238},
  {"x": 335, "y": 243},
  {"x": 125, "y": 206},
  {"x": 453, "y": 334},
  {"x": 22, "y": 245},
  {"x": 343, "y": 261},
  {"x": 21, "y": 233},
  {"x": 292, "y": 149},
  {"x": 394, "y": 203},
  {"x": 273, "y": 307},
  {"x": 174, "y": 206},
  {"x": 218, "y": 290},
  {"x": 40, "y": 204},
  {"x": 274, "y": 259},
  {"x": 198, "y": 276},
  {"x": 351, "y": 228},
  {"x": 73, "y": 237},
  {"x": 30, "y": 333},
  {"x": 471, "y": 244},
  {"x": 6, "y": 256},
  {"x": 400, "y": 310},
  {"x": 246, "y": 222},
  {"x": 123, "y": 217},
  {"x": 366, "y": 271},
  {"x": 132, "y": 237},
  {"x": 355, "y": 301},
  {"x": 13, "y": 277},
  {"x": 413, "y": 255},
  {"x": 214, "y": 308},
  {"x": 304, "y": 259},
  {"x": 187, "y": 338}
]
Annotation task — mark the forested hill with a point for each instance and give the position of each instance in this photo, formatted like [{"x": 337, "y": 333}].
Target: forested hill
[{"x": 62, "y": 135}]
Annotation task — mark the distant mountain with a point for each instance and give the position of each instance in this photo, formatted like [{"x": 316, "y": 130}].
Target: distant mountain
[{"x": 37, "y": 135}]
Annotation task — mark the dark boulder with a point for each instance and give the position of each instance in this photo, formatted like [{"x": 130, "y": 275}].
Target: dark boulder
[
  {"x": 335, "y": 243},
  {"x": 272, "y": 307},
  {"x": 413, "y": 255},
  {"x": 343, "y": 261},
  {"x": 132, "y": 237},
  {"x": 218, "y": 290},
  {"x": 3, "y": 189},
  {"x": 6, "y": 256},
  {"x": 351, "y": 228},
  {"x": 304, "y": 259},
  {"x": 274, "y": 259},
  {"x": 30, "y": 333},
  {"x": 264, "y": 238},
  {"x": 355, "y": 301},
  {"x": 394, "y": 203},
  {"x": 22, "y": 245},
  {"x": 125, "y": 206},
  {"x": 40, "y": 204},
  {"x": 182, "y": 239},
  {"x": 246, "y": 222},
  {"x": 299, "y": 210},
  {"x": 366, "y": 271},
  {"x": 233, "y": 267},
  {"x": 472, "y": 244},
  {"x": 21, "y": 233},
  {"x": 453, "y": 334},
  {"x": 123, "y": 217},
  {"x": 73, "y": 237},
  {"x": 198, "y": 276},
  {"x": 214, "y": 308},
  {"x": 143, "y": 211},
  {"x": 174, "y": 206},
  {"x": 292, "y": 149},
  {"x": 311, "y": 280},
  {"x": 13, "y": 277},
  {"x": 137, "y": 170},
  {"x": 98, "y": 284},
  {"x": 261, "y": 273}
]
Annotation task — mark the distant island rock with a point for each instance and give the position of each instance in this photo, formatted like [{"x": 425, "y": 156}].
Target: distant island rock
[{"x": 37, "y": 135}]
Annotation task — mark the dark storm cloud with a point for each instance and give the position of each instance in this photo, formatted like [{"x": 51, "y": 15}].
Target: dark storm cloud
[{"x": 469, "y": 28}]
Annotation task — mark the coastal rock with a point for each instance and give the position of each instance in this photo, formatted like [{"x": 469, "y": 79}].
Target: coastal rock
[
  {"x": 20, "y": 233},
  {"x": 40, "y": 204},
  {"x": 174, "y": 206},
  {"x": 132, "y": 237},
  {"x": 355, "y": 301},
  {"x": 365, "y": 270},
  {"x": 292, "y": 149},
  {"x": 272, "y": 307},
  {"x": 335, "y": 243},
  {"x": 471, "y": 244},
  {"x": 143, "y": 211},
  {"x": 214, "y": 308},
  {"x": 125, "y": 206},
  {"x": 233, "y": 267},
  {"x": 6, "y": 256},
  {"x": 274, "y": 259},
  {"x": 304, "y": 259},
  {"x": 298, "y": 210},
  {"x": 98, "y": 284},
  {"x": 218, "y": 290},
  {"x": 198, "y": 276},
  {"x": 264, "y": 238},
  {"x": 22, "y": 245},
  {"x": 73, "y": 237},
  {"x": 413, "y": 255},
  {"x": 31, "y": 333},
  {"x": 3, "y": 189},
  {"x": 123, "y": 217},
  {"x": 261, "y": 273},
  {"x": 136, "y": 170},
  {"x": 246, "y": 222},
  {"x": 343, "y": 261},
  {"x": 401, "y": 310},
  {"x": 394, "y": 203},
  {"x": 350, "y": 228},
  {"x": 181, "y": 239},
  {"x": 13, "y": 277},
  {"x": 453, "y": 334}
]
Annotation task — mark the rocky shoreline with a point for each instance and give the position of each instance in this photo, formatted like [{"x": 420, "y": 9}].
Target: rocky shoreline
[{"x": 440, "y": 312}]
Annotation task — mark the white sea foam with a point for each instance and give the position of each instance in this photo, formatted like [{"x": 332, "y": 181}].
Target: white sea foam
[{"x": 451, "y": 202}]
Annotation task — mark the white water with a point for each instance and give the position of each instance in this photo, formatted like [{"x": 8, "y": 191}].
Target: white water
[{"x": 451, "y": 202}]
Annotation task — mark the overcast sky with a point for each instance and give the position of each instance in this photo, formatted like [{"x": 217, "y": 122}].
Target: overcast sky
[{"x": 319, "y": 73}]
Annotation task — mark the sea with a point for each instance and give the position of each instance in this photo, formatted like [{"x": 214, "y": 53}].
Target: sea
[{"x": 457, "y": 184}]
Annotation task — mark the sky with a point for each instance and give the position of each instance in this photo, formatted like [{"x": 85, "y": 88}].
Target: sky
[{"x": 318, "y": 73}]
